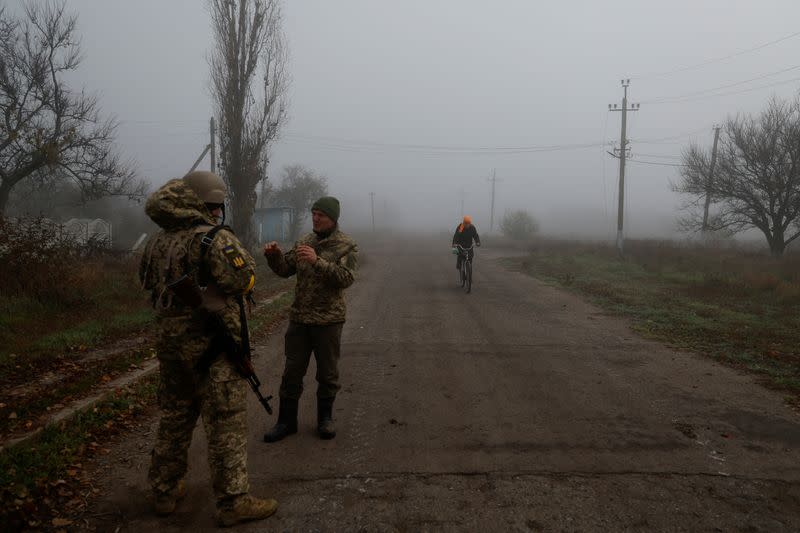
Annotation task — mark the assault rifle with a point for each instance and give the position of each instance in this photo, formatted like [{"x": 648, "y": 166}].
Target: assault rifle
[{"x": 239, "y": 355}]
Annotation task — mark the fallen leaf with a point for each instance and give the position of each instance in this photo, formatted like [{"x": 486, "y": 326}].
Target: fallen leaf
[
  {"x": 72, "y": 472},
  {"x": 105, "y": 379},
  {"x": 12, "y": 416},
  {"x": 61, "y": 522}
]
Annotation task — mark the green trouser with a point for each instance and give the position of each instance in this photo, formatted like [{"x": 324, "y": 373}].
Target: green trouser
[
  {"x": 300, "y": 341},
  {"x": 219, "y": 395}
]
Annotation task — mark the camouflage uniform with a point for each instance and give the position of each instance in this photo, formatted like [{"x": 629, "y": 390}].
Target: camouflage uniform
[
  {"x": 318, "y": 311},
  {"x": 186, "y": 390}
]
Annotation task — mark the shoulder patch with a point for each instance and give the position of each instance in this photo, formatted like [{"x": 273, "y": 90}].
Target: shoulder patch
[{"x": 234, "y": 257}]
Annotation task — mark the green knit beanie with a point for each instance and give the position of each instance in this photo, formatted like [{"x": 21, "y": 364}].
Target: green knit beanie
[{"x": 328, "y": 205}]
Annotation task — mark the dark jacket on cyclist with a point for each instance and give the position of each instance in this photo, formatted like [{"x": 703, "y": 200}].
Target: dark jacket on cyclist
[{"x": 464, "y": 235}]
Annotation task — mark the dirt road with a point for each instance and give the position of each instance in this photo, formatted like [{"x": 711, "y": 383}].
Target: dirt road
[{"x": 515, "y": 408}]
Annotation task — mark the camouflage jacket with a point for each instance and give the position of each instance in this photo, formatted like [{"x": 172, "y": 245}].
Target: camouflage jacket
[
  {"x": 227, "y": 270},
  {"x": 319, "y": 292}
]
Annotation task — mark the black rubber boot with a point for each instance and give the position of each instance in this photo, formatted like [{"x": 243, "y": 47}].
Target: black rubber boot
[
  {"x": 325, "y": 426},
  {"x": 287, "y": 421}
]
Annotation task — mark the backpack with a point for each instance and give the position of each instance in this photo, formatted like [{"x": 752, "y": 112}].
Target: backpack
[{"x": 166, "y": 261}]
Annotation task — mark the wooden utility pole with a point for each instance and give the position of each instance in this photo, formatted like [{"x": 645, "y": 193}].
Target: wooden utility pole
[
  {"x": 372, "y": 207},
  {"x": 210, "y": 147},
  {"x": 213, "y": 131},
  {"x": 493, "y": 180},
  {"x": 710, "y": 180},
  {"x": 263, "y": 191},
  {"x": 623, "y": 147}
]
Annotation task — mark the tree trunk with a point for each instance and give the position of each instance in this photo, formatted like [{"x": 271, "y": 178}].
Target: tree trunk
[
  {"x": 243, "y": 208},
  {"x": 5, "y": 192},
  {"x": 777, "y": 244}
]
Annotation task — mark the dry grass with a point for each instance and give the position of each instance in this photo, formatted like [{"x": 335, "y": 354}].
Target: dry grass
[
  {"x": 735, "y": 305},
  {"x": 57, "y": 295}
]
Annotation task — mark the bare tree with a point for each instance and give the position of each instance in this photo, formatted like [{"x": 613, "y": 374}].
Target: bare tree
[
  {"x": 47, "y": 131},
  {"x": 300, "y": 187},
  {"x": 756, "y": 183},
  {"x": 249, "y": 81}
]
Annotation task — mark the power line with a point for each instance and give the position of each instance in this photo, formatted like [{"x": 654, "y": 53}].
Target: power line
[
  {"x": 731, "y": 93},
  {"x": 362, "y": 146},
  {"x": 718, "y": 59},
  {"x": 377, "y": 144},
  {"x": 727, "y": 86},
  {"x": 659, "y": 140},
  {"x": 657, "y": 163},
  {"x": 659, "y": 156},
  {"x": 185, "y": 122}
]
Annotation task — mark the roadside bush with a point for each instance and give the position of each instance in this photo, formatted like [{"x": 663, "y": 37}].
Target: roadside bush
[
  {"x": 39, "y": 261},
  {"x": 518, "y": 225}
]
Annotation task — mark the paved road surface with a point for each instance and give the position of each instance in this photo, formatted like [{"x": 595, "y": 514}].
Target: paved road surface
[{"x": 518, "y": 407}]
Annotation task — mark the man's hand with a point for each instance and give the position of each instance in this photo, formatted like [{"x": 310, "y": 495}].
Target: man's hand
[
  {"x": 306, "y": 253},
  {"x": 271, "y": 249},
  {"x": 478, "y": 244}
]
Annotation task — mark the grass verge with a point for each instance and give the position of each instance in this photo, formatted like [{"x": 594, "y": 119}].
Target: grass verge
[
  {"x": 40, "y": 482},
  {"x": 737, "y": 307}
]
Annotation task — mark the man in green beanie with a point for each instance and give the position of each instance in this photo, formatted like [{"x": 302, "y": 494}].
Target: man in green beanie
[{"x": 325, "y": 262}]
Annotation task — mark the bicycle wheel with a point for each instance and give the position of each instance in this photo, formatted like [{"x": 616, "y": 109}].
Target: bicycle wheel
[
  {"x": 462, "y": 276},
  {"x": 468, "y": 277}
]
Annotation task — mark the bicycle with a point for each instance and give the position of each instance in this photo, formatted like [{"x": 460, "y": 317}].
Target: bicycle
[{"x": 465, "y": 272}]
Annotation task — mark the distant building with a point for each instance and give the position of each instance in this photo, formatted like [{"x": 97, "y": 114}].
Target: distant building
[
  {"x": 86, "y": 229},
  {"x": 273, "y": 223}
]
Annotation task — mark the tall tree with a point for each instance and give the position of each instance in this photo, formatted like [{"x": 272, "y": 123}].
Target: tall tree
[
  {"x": 300, "y": 187},
  {"x": 756, "y": 183},
  {"x": 48, "y": 131},
  {"x": 249, "y": 82}
]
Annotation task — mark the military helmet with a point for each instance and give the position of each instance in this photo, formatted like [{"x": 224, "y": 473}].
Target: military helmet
[{"x": 208, "y": 186}]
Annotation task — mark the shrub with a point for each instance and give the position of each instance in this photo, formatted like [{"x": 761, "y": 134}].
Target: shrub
[
  {"x": 518, "y": 225},
  {"x": 38, "y": 260}
]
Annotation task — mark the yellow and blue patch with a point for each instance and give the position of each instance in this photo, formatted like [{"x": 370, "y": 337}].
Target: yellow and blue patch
[{"x": 234, "y": 257}]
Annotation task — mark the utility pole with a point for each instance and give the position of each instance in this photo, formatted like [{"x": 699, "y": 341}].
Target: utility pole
[
  {"x": 372, "y": 207},
  {"x": 623, "y": 147},
  {"x": 213, "y": 131},
  {"x": 263, "y": 191},
  {"x": 493, "y": 180},
  {"x": 710, "y": 179},
  {"x": 209, "y": 148}
]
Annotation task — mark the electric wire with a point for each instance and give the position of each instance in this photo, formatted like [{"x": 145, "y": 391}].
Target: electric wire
[
  {"x": 667, "y": 99},
  {"x": 717, "y": 59}
]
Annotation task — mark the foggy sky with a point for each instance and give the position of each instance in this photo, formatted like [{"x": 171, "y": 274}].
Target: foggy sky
[{"x": 371, "y": 78}]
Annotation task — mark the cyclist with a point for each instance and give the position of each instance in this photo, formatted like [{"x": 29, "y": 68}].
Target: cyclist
[{"x": 465, "y": 233}]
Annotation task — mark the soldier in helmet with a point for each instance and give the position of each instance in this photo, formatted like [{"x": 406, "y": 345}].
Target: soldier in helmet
[{"x": 191, "y": 251}]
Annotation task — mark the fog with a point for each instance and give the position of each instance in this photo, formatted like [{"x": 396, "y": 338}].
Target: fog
[{"x": 418, "y": 101}]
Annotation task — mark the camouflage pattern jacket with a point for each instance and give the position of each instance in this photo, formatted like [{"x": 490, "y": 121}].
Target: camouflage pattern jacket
[
  {"x": 227, "y": 270},
  {"x": 319, "y": 292}
]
